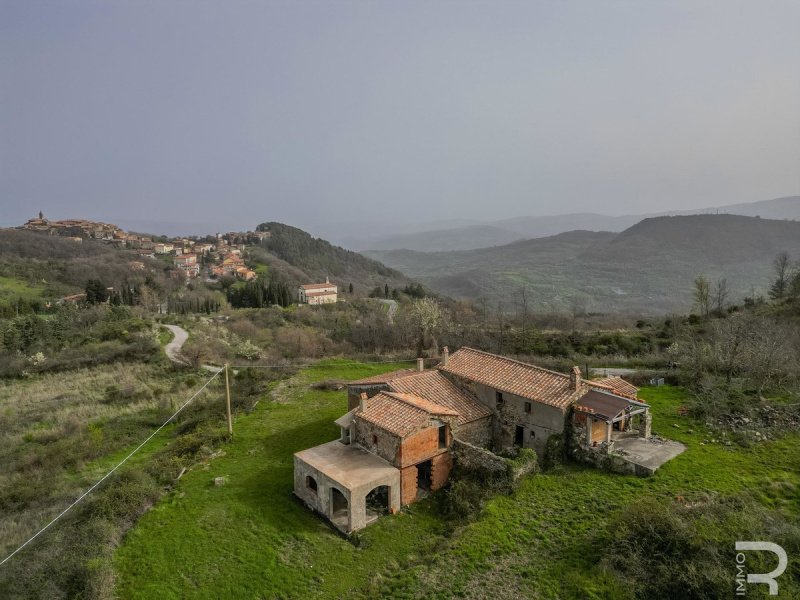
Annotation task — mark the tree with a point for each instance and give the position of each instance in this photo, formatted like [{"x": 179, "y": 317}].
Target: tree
[
  {"x": 350, "y": 288},
  {"x": 523, "y": 306},
  {"x": 781, "y": 267},
  {"x": 426, "y": 318},
  {"x": 96, "y": 292},
  {"x": 386, "y": 290},
  {"x": 702, "y": 295},
  {"x": 720, "y": 296}
]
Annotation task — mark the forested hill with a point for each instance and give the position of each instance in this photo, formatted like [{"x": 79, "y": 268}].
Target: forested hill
[
  {"x": 302, "y": 256},
  {"x": 649, "y": 267}
]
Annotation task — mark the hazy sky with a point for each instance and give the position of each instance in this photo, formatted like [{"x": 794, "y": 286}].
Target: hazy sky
[{"x": 316, "y": 113}]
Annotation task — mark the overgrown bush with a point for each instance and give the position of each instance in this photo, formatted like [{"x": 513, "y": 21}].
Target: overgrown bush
[{"x": 672, "y": 550}]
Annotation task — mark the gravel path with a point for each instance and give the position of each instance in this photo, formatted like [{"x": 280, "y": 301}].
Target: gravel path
[{"x": 173, "y": 348}]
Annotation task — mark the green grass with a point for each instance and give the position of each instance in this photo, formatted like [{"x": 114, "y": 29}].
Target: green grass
[
  {"x": 164, "y": 336},
  {"x": 15, "y": 288},
  {"x": 250, "y": 538}
]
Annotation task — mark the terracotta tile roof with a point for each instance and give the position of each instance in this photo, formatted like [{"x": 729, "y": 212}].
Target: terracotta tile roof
[
  {"x": 617, "y": 384},
  {"x": 316, "y": 286},
  {"x": 604, "y": 404},
  {"x": 401, "y": 414},
  {"x": 514, "y": 377},
  {"x": 437, "y": 388},
  {"x": 383, "y": 377}
]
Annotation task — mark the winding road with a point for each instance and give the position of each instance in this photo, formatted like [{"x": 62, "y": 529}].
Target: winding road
[
  {"x": 173, "y": 348},
  {"x": 392, "y": 309}
]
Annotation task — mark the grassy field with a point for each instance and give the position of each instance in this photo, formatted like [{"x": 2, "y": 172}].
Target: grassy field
[
  {"x": 12, "y": 288},
  {"x": 59, "y": 433},
  {"x": 251, "y": 539}
]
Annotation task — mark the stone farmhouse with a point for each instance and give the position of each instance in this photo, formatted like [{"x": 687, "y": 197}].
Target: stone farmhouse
[
  {"x": 397, "y": 439},
  {"x": 317, "y": 293}
]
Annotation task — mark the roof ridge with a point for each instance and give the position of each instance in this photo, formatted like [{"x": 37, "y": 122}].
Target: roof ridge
[
  {"x": 401, "y": 396},
  {"x": 513, "y": 360}
]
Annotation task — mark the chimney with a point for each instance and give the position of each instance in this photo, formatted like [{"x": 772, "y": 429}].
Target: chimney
[
  {"x": 575, "y": 378},
  {"x": 327, "y": 280},
  {"x": 420, "y": 364},
  {"x": 445, "y": 355},
  {"x": 362, "y": 403}
]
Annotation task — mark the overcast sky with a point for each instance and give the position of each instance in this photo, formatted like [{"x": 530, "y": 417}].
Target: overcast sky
[{"x": 318, "y": 113}]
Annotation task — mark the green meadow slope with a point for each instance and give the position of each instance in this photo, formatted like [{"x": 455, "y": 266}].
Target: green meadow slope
[{"x": 251, "y": 539}]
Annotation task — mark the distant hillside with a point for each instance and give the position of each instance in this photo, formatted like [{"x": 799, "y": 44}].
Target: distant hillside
[
  {"x": 303, "y": 259},
  {"x": 464, "y": 238},
  {"x": 648, "y": 268},
  {"x": 527, "y": 227}
]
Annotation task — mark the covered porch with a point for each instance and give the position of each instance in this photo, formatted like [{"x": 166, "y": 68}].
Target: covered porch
[
  {"x": 620, "y": 427},
  {"x": 348, "y": 485},
  {"x": 608, "y": 415}
]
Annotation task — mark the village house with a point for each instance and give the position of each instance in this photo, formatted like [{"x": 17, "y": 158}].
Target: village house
[
  {"x": 396, "y": 439},
  {"x": 188, "y": 264},
  {"x": 163, "y": 248},
  {"x": 317, "y": 293}
]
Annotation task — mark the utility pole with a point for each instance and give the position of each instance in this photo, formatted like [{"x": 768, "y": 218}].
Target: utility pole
[{"x": 228, "y": 400}]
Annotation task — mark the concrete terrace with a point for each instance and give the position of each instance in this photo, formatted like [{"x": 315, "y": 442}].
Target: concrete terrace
[{"x": 646, "y": 455}]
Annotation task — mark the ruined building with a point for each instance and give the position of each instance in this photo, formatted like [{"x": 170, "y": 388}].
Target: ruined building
[{"x": 395, "y": 441}]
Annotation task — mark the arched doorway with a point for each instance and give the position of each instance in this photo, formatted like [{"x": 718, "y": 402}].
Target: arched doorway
[
  {"x": 377, "y": 502},
  {"x": 340, "y": 510}
]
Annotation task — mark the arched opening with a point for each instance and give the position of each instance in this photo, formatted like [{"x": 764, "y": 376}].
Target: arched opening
[
  {"x": 311, "y": 483},
  {"x": 377, "y": 502},
  {"x": 339, "y": 508}
]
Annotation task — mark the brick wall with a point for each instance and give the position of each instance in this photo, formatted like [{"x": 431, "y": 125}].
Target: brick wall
[
  {"x": 419, "y": 447},
  {"x": 440, "y": 471},
  {"x": 408, "y": 485}
]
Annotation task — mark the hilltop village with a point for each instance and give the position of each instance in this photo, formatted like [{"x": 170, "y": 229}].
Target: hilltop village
[{"x": 212, "y": 256}]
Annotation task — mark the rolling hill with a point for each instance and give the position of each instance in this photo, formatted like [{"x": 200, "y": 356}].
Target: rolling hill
[
  {"x": 648, "y": 268},
  {"x": 504, "y": 231}
]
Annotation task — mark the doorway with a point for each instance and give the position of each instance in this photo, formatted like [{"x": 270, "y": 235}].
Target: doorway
[
  {"x": 424, "y": 471},
  {"x": 519, "y": 435}
]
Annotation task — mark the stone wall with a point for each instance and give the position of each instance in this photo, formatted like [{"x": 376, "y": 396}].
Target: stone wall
[
  {"x": 473, "y": 458},
  {"x": 602, "y": 455},
  {"x": 479, "y": 463},
  {"x": 377, "y": 440},
  {"x": 477, "y": 433},
  {"x": 539, "y": 424}
]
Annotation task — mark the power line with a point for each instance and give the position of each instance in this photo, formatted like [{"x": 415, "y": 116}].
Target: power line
[
  {"x": 107, "y": 475},
  {"x": 165, "y": 423},
  {"x": 323, "y": 365}
]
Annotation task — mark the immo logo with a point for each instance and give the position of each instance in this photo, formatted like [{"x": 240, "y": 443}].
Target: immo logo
[{"x": 743, "y": 577}]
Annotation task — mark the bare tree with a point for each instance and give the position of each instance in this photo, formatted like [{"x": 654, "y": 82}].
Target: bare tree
[
  {"x": 771, "y": 356},
  {"x": 731, "y": 339},
  {"x": 721, "y": 296},
  {"x": 702, "y": 295},
  {"x": 500, "y": 326},
  {"x": 523, "y": 309},
  {"x": 781, "y": 267}
]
